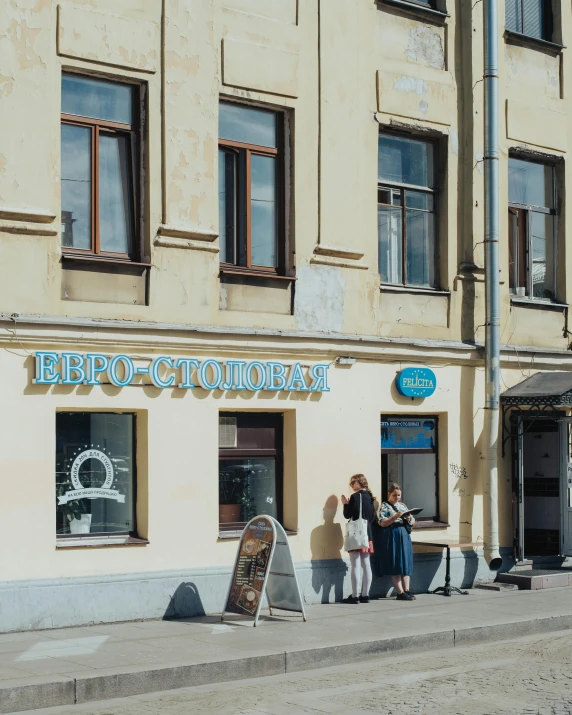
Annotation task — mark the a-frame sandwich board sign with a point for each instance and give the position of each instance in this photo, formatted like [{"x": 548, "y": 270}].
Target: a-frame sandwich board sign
[{"x": 263, "y": 566}]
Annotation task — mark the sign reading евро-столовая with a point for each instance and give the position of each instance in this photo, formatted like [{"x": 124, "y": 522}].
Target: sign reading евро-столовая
[{"x": 66, "y": 368}]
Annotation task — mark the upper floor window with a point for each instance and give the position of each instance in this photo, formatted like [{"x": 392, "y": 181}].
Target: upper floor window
[
  {"x": 532, "y": 228},
  {"x": 99, "y": 158},
  {"x": 424, "y": 3},
  {"x": 529, "y": 17},
  {"x": 251, "y": 188},
  {"x": 431, "y": 4},
  {"x": 406, "y": 211}
]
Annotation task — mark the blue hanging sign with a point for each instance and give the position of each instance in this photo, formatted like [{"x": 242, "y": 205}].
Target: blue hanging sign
[{"x": 416, "y": 382}]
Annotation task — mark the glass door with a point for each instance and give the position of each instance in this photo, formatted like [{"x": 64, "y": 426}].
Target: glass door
[{"x": 566, "y": 482}]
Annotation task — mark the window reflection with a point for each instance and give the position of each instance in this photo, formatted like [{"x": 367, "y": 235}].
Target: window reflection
[
  {"x": 406, "y": 242},
  {"x": 76, "y": 186}
]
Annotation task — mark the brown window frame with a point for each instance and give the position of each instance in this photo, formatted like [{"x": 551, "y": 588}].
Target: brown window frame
[
  {"x": 521, "y": 243},
  {"x": 276, "y": 419},
  {"x": 133, "y": 132},
  {"x": 242, "y": 200}
]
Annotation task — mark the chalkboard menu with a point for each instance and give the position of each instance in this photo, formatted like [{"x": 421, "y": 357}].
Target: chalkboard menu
[{"x": 251, "y": 568}]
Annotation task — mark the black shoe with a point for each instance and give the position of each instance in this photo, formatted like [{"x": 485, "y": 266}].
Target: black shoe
[
  {"x": 411, "y": 596},
  {"x": 404, "y": 597},
  {"x": 364, "y": 599},
  {"x": 350, "y": 599}
]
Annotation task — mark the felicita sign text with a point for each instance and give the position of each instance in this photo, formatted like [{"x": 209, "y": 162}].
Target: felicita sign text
[{"x": 54, "y": 368}]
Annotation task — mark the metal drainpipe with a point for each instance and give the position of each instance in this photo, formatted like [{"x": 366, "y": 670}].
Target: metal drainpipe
[{"x": 492, "y": 291}]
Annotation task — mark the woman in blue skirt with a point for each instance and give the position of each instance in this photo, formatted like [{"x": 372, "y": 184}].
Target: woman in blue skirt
[{"x": 396, "y": 557}]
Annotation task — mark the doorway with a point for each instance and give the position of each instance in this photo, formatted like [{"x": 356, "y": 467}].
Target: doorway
[{"x": 539, "y": 486}]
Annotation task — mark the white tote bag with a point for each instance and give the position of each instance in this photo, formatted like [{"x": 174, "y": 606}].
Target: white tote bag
[{"x": 356, "y": 532}]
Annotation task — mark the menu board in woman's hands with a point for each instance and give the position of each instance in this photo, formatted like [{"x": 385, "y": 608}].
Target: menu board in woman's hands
[
  {"x": 411, "y": 512},
  {"x": 251, "y": 567}
]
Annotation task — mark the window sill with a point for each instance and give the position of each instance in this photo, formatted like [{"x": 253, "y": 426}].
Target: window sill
[
  {"x": 423, "y": 13},
  {"x": 430, "y": 525},
  {"x": 233, "y": 535},
  {"x": 83, "y": 542},
  {"x": 389, "y": 288},
  {"x": 84, "y": 258},
  {"x": 534, "y": 43},
  {"x": 537, "y": 303},
  {"x": 267, "y": 275}
]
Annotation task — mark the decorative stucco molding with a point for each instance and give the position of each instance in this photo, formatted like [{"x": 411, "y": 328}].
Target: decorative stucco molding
[
  {"x": 186, "y": 237},
  {"x": 25, "y": 214}
]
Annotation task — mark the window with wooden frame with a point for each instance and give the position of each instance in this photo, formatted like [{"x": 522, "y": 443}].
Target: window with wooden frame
[
  {"x": 406, "y": 197},
  {"x": 250, "y": 467},
  {"x": 532, "y": 18},
  {"x": 532, "y": 229},
  {"x": 409, "y": 458},
  {"x": 251, "y": 189},
  {"x": 100, "y": 147}
]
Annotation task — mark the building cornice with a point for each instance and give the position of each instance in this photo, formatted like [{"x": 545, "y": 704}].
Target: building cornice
[{"x": 33, "y": 329}]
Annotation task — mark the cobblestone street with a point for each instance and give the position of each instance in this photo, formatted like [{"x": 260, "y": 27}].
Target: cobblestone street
[{"x": 531, "y": 676}]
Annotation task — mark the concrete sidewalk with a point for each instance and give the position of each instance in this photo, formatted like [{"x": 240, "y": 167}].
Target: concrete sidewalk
[{"x": 74, "y": 665}]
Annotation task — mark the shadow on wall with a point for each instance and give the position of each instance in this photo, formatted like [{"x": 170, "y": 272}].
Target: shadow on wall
[
  {"x": 328, "y": 566},
  {"x": 185, "y": 603}
]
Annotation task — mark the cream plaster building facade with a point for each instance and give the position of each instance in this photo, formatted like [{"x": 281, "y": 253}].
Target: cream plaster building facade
[{"x": 230, "y": 245}]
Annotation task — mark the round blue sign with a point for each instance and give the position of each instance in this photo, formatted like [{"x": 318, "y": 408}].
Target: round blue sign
[{"x": 416, "y": 382}]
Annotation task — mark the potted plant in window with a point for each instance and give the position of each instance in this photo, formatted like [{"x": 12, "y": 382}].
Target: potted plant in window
[
  {"x": 237, "y": 503},
  {"x": 231, "y": 489},
  {"x": 75, "y": 511}
]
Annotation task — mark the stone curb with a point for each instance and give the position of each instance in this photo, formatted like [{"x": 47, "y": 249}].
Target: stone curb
[{"x": 59, "y": 691}]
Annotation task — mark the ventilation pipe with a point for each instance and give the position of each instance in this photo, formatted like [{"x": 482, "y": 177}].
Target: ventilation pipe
[{"x": 492, "y": 291}]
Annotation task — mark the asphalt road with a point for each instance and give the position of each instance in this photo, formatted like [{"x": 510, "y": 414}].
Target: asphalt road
[{"x": 531, "y": 676}]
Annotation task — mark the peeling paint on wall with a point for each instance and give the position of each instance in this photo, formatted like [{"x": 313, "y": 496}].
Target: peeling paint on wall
[
  {"x": 411, "y": 84},
  {"x": 319, "y": 303},
  {"x": 425, "y": 45}
]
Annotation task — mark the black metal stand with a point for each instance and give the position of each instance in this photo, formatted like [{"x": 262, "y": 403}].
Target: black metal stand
[{"x": 447, "y": 589}]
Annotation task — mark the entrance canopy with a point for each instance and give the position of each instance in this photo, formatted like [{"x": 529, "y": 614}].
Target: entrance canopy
[
  {"x": 540, "y": 395},
  {"x": 549, "y": 389}
]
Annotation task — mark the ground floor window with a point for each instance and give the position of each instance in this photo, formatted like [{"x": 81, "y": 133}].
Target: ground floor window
[
  {"x": 250, "y": 467},
  {"x": 95, "y": 473},
  {"x": 409, "y": 457}
]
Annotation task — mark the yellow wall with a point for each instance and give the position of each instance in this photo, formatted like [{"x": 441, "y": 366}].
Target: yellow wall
[{"x": 343, "y": 68}]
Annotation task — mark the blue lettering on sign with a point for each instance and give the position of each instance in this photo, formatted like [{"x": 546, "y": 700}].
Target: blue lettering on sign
[
  {"x": 416, "y": 382},
  {"x": 54, "y": 368}
]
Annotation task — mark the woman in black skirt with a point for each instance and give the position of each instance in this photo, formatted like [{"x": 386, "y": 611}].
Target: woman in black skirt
[
  {"x": 360, "y": 557},
  {"x": 396, "y": 557}
]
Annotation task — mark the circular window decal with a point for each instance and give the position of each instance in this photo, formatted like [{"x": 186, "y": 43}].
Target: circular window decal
[
  {"x": 79, "y": 491},
  {"x": 92, "y": 454}
]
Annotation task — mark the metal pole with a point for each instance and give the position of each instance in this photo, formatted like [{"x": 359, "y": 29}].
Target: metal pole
[{"x": 492, "y": 291}]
